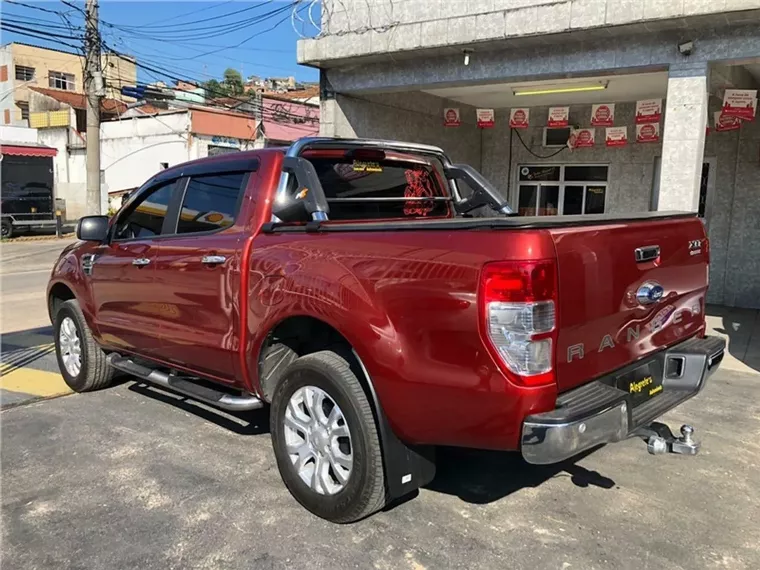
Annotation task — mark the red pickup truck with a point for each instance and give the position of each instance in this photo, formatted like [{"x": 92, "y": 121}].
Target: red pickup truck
[{"x": 385, "y": 301}]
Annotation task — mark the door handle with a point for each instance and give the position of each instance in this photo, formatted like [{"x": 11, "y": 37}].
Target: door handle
[
  {"x": 213, "y": 259},
  {"x": 140, "y": 261}
]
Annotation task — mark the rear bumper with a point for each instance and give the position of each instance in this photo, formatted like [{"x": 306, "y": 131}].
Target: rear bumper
[{"x": 598, "y": 413}]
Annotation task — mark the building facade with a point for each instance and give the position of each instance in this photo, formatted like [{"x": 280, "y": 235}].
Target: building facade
[
  {"x": 24, "y": 66},
  {"x": 405, "y": 70}
]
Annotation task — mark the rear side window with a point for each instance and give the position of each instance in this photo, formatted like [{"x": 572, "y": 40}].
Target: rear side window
[
  {"x": 210, "y": 202},
  {"x": 357, "y": 190},
  {"x": 145, "y": 217}
]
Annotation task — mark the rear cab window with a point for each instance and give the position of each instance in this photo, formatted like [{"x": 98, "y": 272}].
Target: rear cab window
[{"x": 400, "y": 186}]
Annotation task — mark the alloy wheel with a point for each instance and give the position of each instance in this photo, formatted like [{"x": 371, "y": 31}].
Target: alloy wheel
[
  {"x": 318, "y": 440},
  {"x": 71, "y": 348}
]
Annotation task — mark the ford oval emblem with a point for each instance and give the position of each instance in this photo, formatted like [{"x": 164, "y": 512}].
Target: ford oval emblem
[{"x": 650, "y": 292}]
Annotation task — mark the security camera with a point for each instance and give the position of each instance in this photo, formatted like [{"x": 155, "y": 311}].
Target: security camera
[{"x": 686, "y": 47}]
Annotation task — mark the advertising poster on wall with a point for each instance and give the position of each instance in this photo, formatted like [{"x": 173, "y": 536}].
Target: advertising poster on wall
[
  {"x": 740, "y": 103},
  {"x": 603, "y": 115},
  {"x": 726, "y": 122},
  {"x": 647, "y": 133},
  {"x": 485, "y": 118},
  {"x": 558, "y": 117},
  {"x": 519, "y": 118},
  {"x": 648, "y": 111},
  {"x": 616, "y": 136},
  {"x": 451, "y": 117},
  {"x": 581, "y": 138}
]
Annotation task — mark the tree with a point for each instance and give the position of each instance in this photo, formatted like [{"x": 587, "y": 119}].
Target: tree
[
  {"x": 214, "y": 89},
  {"x": 233, "y": 82}
]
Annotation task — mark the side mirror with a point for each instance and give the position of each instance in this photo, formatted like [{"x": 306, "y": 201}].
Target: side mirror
[{"x": 93, "y": 228}]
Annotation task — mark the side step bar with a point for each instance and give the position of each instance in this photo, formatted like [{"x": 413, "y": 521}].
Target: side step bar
[{"x": 184, "y": 386}]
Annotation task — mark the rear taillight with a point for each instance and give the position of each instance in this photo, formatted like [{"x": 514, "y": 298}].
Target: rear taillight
[{"x": 518, "y": 305}]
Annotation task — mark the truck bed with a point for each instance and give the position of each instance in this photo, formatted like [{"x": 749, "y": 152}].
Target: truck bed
[{"x": 463, "y": 223}]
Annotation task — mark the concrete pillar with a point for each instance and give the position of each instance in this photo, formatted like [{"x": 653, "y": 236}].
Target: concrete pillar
[{"x": 683, "y": 141}]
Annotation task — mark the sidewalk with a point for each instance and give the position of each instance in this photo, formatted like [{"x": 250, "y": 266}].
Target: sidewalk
[{"x": 741, "y": 327}]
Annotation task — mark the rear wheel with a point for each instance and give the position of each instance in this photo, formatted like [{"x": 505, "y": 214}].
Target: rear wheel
[
  {"x": 325, "y": 439},
  {"x": 82, "y": 362}
]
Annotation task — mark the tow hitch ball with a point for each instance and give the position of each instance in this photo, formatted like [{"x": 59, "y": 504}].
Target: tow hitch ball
[{"x": 660, "y": 439}]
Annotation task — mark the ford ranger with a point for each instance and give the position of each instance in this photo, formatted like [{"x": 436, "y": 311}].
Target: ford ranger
[{"x": 357, "y": 288}]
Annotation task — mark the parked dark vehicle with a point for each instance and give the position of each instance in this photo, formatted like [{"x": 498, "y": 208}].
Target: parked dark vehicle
[
  {"x": 27, "y": 193},
  {"x": 345, "y": 283}
]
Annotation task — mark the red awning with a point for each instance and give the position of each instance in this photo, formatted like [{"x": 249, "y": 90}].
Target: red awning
[{"x": 18, "y": 150}]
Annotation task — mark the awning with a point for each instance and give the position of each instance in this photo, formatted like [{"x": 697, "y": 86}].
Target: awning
[{"x": 19, "y": 150}]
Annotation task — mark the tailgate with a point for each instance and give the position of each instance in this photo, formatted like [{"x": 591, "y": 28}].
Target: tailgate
[{"x": 610, "y": 309}]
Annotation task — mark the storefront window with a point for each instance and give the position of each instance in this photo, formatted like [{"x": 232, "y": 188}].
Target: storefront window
[
  {"x": 586, "y": 173},
  {"x": 528, "y": 196},
  {"x": 539, "y": 173},
  {"x": 548, "y": 190}
]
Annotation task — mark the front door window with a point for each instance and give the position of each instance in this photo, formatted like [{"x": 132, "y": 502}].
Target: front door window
[{"x": 550, "y": 190}]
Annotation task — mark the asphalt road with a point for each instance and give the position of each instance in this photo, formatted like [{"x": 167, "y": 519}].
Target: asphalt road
[{"x": 131, "y": 477}]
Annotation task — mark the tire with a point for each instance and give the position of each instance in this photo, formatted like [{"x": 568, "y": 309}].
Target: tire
[
  {"x": 6, "y": 229},
  {"x": 94, "y": 371},
  {"x": 363, "y": 492}
]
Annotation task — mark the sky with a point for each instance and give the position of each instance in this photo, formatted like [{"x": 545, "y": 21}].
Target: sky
[{"x": 188, "y": 39}]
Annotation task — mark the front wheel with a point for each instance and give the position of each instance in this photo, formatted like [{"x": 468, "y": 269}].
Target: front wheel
[
  {"x": 6, "y": 229},
  {"x": 82, "y": 362},
  {"x": 325, "y": 439}
]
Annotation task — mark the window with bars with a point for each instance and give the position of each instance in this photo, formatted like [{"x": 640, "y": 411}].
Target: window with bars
[
  {"x": 24, "y": 73},
  {"x": 59, "y": 80}
]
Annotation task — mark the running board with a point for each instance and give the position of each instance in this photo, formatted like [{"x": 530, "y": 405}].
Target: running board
[{"x": 187, "y": 387}]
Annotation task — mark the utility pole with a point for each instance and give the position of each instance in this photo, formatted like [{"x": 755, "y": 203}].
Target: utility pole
[{"x": 93, "y": 83}]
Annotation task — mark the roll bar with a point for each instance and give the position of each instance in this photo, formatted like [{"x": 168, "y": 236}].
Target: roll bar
[{"x": 483, "y": 191}]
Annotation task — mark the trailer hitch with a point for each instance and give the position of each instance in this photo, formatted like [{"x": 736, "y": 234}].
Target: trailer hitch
[{"x": 661, "y": 440}]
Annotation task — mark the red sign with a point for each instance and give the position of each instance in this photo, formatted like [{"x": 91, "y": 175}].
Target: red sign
[
  {"x": 726, "y": 122},
  {"x": 581, "y": 138},
  {"x": 485, "y": 118},
  {"x": 451, "y": 117},
  {"x": 519, "y": 118},
  {"x": 649, "y": 132},
  {"x": 616, "y": 136},
  {"x": 558, "y": 117},
  {"x": 603, "y": 115},
  {"x": 740, "y": 103},
  {"x": 648, "y": 111}
]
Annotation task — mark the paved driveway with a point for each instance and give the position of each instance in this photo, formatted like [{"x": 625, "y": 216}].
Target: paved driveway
[{"x": 132, "y": 477}]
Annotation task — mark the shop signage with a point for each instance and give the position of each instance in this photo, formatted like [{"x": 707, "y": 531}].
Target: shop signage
[
  {"x": 648, "y": 111},
  {"x": 558, "y": 117},
  {"x": 725, "y": 122},
  {"x": 603, "y": 115},
  {"x": 485, "y": 118},
  {"x": 451, "y": 117},
  {"x": 519, "y": 118},
  {"x": 740, "y": 103},
  {"x": 616, "y": 136},
  {"x": 581, "y": 138},
  {"x": 650, "y": 132}
]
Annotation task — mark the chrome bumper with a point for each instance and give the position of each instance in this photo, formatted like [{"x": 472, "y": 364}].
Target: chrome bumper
[{"x": 598, "y": 413}]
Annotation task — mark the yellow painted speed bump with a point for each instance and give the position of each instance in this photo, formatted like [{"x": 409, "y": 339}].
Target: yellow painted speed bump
[{"x": 35, "y": 383}]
